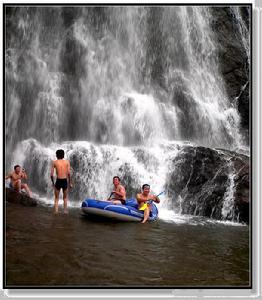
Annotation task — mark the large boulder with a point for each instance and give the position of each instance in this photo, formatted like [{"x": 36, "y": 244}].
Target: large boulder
[
  {"x": 210, "y": 182},
  {"x": 19, "y": 198}
]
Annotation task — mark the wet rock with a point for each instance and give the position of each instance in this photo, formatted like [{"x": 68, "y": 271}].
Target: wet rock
[
  {"x": 210, "y": 182},
  {"x": 19, "y": 198},
  {"x": 242, "y": 193},
  {"x": 234, "y": 56}
]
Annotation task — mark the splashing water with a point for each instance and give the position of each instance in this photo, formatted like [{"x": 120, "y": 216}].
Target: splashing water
[{"x": 228, "y": 204}]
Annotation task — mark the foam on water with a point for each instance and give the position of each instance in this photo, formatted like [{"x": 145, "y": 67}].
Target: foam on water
[{"x": 172, "y": 217}]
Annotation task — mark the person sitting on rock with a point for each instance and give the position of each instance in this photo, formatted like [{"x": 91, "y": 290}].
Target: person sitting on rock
[{"x": 16, "y": 180}]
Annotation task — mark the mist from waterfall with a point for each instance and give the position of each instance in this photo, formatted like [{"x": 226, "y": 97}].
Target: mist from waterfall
[{"x": 121, "y": 89}]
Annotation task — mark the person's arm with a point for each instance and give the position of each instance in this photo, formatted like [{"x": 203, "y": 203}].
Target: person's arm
[
  {"x": 121, "y": 193},
  {"x": 8, "y": 176},
  {"x": 52, "y": 172},
  {"x": 68, "y": 174},
  {"x": 124, "y": 192},
  {"x": 24, "y": 175},
  {"x": 154, "y": 198},
  {"x": 157, "y": 199},
  {"x": 138, "y": 199}
]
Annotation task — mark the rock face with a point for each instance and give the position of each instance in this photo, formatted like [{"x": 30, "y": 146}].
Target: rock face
[
  {"x": 211, "y": 183},
  {"x": 232, "y": 29},
  {"x": 19, "y": 198}
]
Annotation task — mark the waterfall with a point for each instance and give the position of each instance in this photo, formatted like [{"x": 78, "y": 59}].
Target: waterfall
[
  {"x": 242, "y": 30},
  {"x": 228, "y": 204},
  {"x": 120, "y": 89},
  {"x": 93, "y": 166}
]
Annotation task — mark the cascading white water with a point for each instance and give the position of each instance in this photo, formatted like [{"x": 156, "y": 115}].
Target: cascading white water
[
  {"x": 243, "y": 31},
  {"x": 117, "y": 88},
  {"x": 95, "y": 166},
  {"x": 111, "y": 66},
  {"x": 228, "y": 203}
]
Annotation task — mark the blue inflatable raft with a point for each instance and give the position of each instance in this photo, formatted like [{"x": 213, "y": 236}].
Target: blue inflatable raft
[{"x": 127, "y": 212}]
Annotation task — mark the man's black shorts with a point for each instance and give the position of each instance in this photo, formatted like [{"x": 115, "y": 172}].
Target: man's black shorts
[{"x": 61, "y": 184}]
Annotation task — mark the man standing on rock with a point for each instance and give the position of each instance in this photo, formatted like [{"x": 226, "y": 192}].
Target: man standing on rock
[
  {"x": 62, "y": 167},
  {"x": 16, "y": 180}
]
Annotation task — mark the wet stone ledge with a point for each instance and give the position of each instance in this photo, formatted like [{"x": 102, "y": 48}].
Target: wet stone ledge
[{"x": 19, "y": 198}]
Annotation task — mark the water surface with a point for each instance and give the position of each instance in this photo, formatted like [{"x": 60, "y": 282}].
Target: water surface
[{"x": 47, "y": 250}]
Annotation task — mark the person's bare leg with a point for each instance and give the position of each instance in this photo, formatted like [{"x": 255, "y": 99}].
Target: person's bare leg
[
  {"x": 116, "y": 202},
  {"x": 65, "y": 201},
  {"x": 56, "y": 201},
  {"x": 25, "y": 186},
  {"x": 146, "y": 214},
  {"x": 17, "y": 186}
]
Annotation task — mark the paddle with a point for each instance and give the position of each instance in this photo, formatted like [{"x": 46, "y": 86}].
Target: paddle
[
  {"x": 161, "y": 193},
  {"x": 109, "y": 196}
]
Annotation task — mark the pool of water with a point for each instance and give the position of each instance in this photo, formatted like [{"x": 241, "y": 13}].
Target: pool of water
[{"x": 73, "y": 250}]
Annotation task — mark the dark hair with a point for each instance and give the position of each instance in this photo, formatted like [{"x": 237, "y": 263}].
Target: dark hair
[
  {"x": 60, "y": 154},
  {"x": 117, "y": 178},
  {"x": 145, "y": 185},
  {"x": 16, "y": 166}
]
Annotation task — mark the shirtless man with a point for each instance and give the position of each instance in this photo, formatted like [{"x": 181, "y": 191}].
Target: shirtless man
[
  {"x": 16, "y": 180},
  {"x": 143, "y": 199},
  {"x": 118, "y": 195},
  {"x": 62, "y": 167}
]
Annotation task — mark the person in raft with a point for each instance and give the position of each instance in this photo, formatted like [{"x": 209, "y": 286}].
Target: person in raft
[
  {"x": 16, "y": 178},
  {"x": 62, "y": 167},
  {"x": 118, "y": 195},
  {"x": 142, "y": 200}
]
